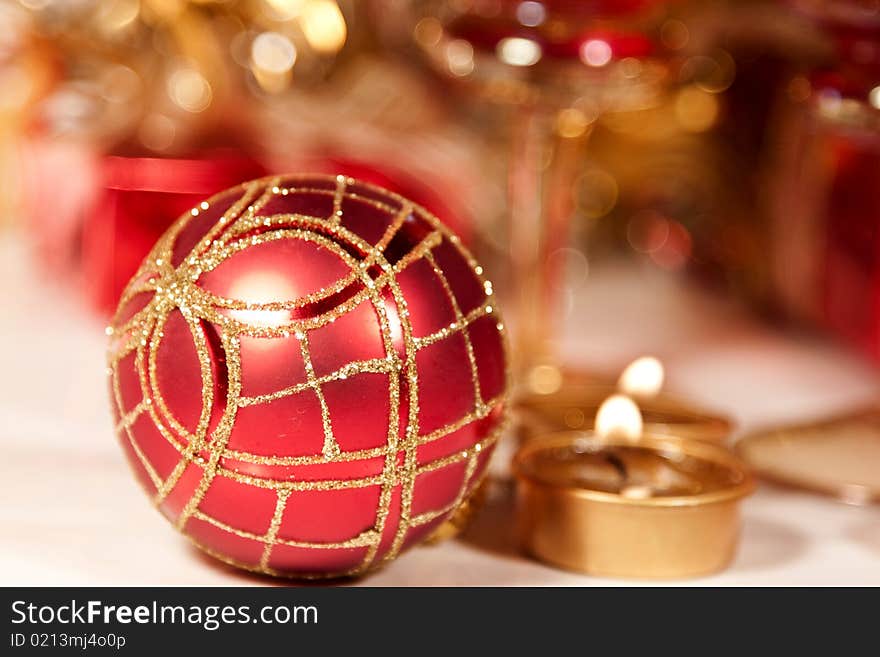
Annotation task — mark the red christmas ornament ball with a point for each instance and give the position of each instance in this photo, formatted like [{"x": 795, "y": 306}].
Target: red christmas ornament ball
[{"x": 308, "y": 375}]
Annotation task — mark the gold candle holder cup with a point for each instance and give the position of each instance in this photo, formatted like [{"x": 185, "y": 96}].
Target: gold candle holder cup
[{"x": 659, "y": 507}]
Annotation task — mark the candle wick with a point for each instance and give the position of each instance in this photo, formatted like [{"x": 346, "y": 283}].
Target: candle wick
[{"x": 617, "y": 463}]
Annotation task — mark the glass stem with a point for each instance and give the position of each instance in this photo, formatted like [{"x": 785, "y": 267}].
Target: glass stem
[{"x": 542, "y": 175}]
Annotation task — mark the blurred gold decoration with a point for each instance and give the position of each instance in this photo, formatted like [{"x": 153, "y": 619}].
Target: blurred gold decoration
[
  {"x": 695, "y": 109},
  {"x": 26, "y": 72},
  {"x": 272, "y": 60},
  {"x": 168, "y": 72},
  {"x": 323, "y": 26},
  {"x": 837, "y": 456}
]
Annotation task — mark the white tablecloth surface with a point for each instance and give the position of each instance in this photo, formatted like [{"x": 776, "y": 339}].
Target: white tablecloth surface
[{"x": 72, "y": 514}]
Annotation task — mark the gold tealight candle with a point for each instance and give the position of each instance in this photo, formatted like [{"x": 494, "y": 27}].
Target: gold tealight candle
[{"x": 629, "y": 505}]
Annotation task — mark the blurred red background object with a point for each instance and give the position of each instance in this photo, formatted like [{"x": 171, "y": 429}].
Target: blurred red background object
[
  {"x": 137, "y": 199},
  {"x": 826, "y": 199}
]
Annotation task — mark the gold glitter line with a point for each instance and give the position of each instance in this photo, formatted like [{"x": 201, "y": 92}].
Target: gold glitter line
[
  {"x": 351, "y": 483},
  {"x": 117, "y": 395},
  {"x": 306, "y": 485},
  {"x": 186, "y": 454},
  {"x": 163, "y": 312},
  {"x": 477, "y": 269},
  {"x": 373, "y": 253},
  {"x": 392, "y": 473},
  {"x": 168, "y": 485},
  {"x": 379, "y": 205},
  {"x": 330, "y": 448},
  {"x": 194, "y": 442},
  {"x": 488, "y": 441},
  {"x": 230, "y": 561},
  {"x": 132, "y": 416},
  {"x": 149, "y": 287},
  {"x": 364, "y": 454},
  {"x": 151, "y": 472},
  {"x": 428, "y": 516},
  {"x": 306, "y": 222},
  {"x": 364, "y": 539},
  {"x": 208, "y": 298},
  {"x": 123, "y": 348},
  {"x": 160, "y": 257},
  {"x": 476, "y": 414},
  {"x": 221, "y": 433},
  {"x": 242, "y": 328},
  {"x": 274, "y": 526},
  {"x": 165, "y": 431},
  {"x": 226, "y": 220},
  {"x": 319, "y": 484},
  {"x": 372, "y": 366},
  {"x": 117, "y": 392},
  {"x": 339, "y": 194},
  {"x": 270, "y": 191},
  {"x": 378, "y": 250},
  {"x": 222, "y": 251},
  {"x": 136, "y": 338},
  {"x": 408, "y": 475},
  {"x": 461, "y": 325},
  {"x": 165, "y": 487},
  {"x": 389, "y": 468},
  {"x": 342, "y": 457},
  {"x": 367, "y": 538},
  {"x": 204, "y": 358},
  {"x": 483, "y": 310},
  {"x": 241, "y": 565},
  {"x": 132, "y": 290},
  {"x": 197, "y": 441}
]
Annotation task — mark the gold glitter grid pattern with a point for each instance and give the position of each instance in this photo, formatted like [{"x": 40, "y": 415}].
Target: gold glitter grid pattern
[{"x": 175, "y": 288}]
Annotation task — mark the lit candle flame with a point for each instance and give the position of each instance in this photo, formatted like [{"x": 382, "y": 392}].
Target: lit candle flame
[
  {"x": 619, "y": 416},
  {"x": 642, "y": 378}
]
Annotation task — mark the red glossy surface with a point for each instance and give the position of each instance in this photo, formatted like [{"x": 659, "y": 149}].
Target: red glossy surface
[{"x": 380, "y": 481}]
